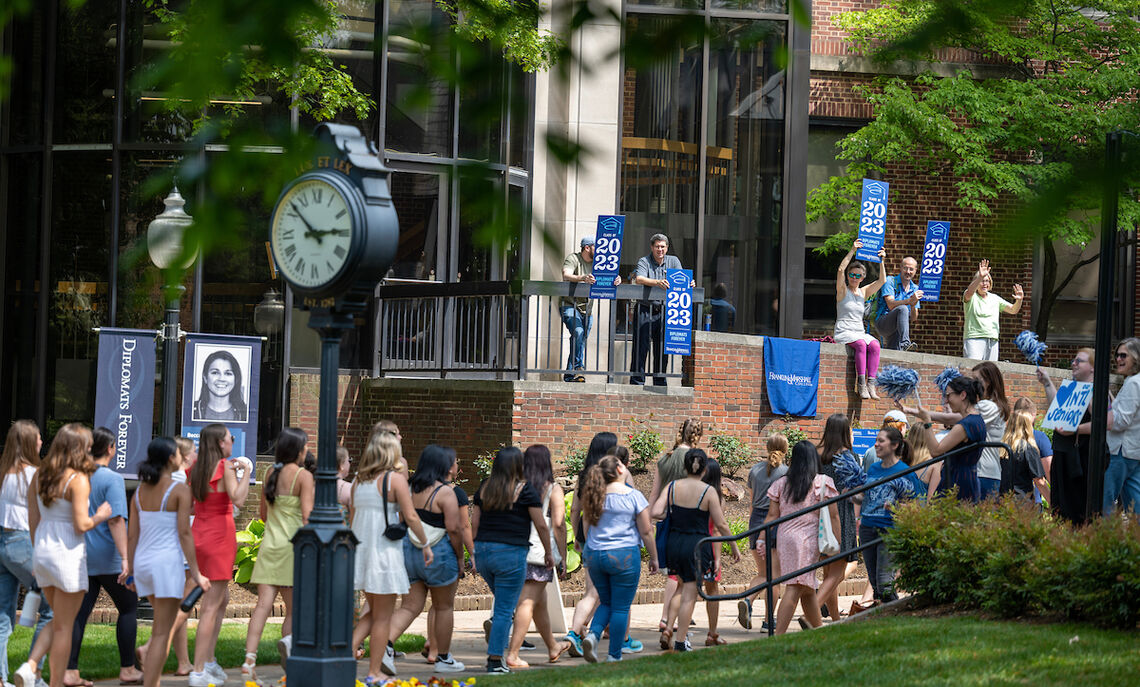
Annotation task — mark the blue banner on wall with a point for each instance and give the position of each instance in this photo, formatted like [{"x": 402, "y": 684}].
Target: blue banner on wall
[
  {"x": 791, "y": 374},
  {"x": 933, "y": 259},
  {"x": 872, "y": 219},
  {"x": 124, "y": 393},
  {"x": 679, "y": 312},
  {"x": 607, "y": 256},
  {"x": 861, "y": 440},
  {"x": 219, "y": 384}
]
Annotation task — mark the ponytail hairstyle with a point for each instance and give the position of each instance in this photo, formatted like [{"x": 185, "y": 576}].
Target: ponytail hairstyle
[
  {"x": 102, "y": 439},
  {"x": 712, "y": 477},
  {"x": 802, "y": 469},
  {"x": 1018, "y": 432},
  {"x": 498, "y": 491},
  {"x": 209, "y": 455},
  {"x": 690, "y": 433},
  {"x": 621, "y": 453},
  {"x": 777, "y": 451},
  {"x": 902, "y": 448},
  {"x": 968, "y": 384},
  {"x": 20, "y": 448},
  {"x": 593, "y": 487},
  {"x": 289, "y": 450},
  {"x": 70, "y": 449},
  {"x": 695, "y": 461},
  {"x": 159, "y": 452}
]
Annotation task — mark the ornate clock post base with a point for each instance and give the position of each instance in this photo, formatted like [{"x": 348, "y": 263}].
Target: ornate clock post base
[{"x": 324, "y": 550}]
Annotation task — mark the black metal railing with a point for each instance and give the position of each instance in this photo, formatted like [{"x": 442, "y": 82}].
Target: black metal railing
[
  {"x": 768, "y": 586},
  {"x": 509, "y": 330}
]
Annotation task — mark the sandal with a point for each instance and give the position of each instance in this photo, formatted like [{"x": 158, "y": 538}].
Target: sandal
[
  {"x": 713, "y": 639},
  {"x": 516, "y": 665},
  {"x": 661, "y": 627},
  {"x": 563, "y": 648},
  {"x": 247, "y": 668},
  {"x": 666, "y": 640}
]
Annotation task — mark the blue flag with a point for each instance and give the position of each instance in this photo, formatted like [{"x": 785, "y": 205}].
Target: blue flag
[
  {"x": 933, "y": 259},
  {"x": 124, "y": 394},
  {"x": 679, "y": 312},
  {"x": 607, "y": 255},
  {"x": 791, "y": 372},
  {"x": 872, "y": 219}
]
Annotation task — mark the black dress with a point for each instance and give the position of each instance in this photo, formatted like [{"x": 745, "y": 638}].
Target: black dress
[
  {"x": 847, "y": 528},
  {"x": 687, "y": 526}
]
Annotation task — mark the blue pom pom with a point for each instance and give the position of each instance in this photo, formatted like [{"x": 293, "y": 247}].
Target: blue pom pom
[
  {"x": 945, "y": 377},
  {"x": 1030, "y": 347},
  {"x": 897, "y": 382}
]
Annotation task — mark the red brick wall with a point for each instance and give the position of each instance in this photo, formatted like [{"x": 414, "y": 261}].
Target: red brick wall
[{"x": 727, "y": 392}]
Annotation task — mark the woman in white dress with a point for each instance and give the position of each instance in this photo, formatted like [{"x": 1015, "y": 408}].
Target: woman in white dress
[
  {"x": 58, "y": 518},
  {"x": 160, "y": 549},
  {"x": 850, "y": 297},
  {"x": 380, "y": 497}
]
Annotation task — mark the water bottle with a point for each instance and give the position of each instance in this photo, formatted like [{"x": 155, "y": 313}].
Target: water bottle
[
  {"x": 708, "y": 322},
  {"x": 31, "y": 609},
  {"x": 191, "y": 599}
]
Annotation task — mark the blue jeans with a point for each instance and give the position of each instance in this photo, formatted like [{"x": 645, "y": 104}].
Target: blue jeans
[
  {"x": 15, "y": 569},
  {"x": 1121, "y": 482},
  {"x": 503, "y": 566},
  {"x": 894, "y": 327},
  {"x": 579, "y": 327},
  {"x": 990, "y": 487},
  {"x": 615, "y": 574}
]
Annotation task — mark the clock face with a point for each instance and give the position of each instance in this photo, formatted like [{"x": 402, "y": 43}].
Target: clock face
[{"x": 311, "y": 233}]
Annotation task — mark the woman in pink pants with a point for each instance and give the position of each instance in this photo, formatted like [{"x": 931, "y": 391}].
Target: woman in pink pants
[{"x": 849, "y": 330}]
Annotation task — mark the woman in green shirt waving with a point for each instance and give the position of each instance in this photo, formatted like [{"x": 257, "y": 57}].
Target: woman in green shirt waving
[{"x": 982, "y": 311}]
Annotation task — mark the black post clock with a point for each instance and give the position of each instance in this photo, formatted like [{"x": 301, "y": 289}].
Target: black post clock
[{"x": 333, "y": 234}]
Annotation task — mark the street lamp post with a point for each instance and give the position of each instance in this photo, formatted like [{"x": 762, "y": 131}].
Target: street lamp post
[{"x": 164, "y": 244}]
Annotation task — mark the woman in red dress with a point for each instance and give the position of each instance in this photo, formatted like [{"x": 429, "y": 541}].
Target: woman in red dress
[{"x": 217, "y": 488}]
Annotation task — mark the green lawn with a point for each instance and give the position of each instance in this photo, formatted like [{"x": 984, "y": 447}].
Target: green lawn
[
  {"x": 890, "y": 651},
  {"x": 99, "y": 657}
]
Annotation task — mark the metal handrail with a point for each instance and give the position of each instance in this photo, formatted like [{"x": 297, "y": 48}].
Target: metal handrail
[{"x": 768, "y": 586}]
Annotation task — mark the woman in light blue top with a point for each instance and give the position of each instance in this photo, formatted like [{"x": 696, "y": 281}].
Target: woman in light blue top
[{"x": 616, "y": 518}]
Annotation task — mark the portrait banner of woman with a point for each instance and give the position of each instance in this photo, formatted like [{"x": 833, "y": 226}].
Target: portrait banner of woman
[{"x": 220, "y": 381}]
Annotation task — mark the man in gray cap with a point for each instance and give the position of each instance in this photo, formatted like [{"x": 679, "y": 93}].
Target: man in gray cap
[{"x": 576, "y": 312}]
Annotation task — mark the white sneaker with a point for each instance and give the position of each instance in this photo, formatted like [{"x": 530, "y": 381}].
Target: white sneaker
[
  {"x": 5, "y": 683},
  {"x": 199, "y": 679},
  {"x": 40, "y": 682},
  {"x": 388, "y": 663},
  {"x": 448, "y": 665},
  {"x": 590, "y": 648},
  {"x": 25, "y": 675},
  {"x": 285, "y": 648},
  {"x": 213, "y": 670},
  {"x": 611, "y": 659}
]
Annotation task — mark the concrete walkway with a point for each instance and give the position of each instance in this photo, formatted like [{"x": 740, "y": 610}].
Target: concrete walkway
[{"x": 469, "y": 646}]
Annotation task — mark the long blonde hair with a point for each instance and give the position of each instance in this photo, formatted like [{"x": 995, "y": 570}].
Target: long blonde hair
[
  {"x": 690, "y": 433},
  {"x": 777, "y": 451},
  {"x": 1018, "y": 431},
  {"x": 70, "y": 449},
  {"x": 919, "y": 450},
  {"x": 382, "y": 454}
]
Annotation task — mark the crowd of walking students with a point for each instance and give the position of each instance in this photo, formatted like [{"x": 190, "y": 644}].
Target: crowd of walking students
[{"x": 69, "y": 531}]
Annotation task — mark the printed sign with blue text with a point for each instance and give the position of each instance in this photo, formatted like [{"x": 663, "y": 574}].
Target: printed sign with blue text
[
  {"x": 1068, "y": 406},
  {"x": 862, "y": 438},
  {"x": 607, "y": 256},
  {"x": 933, "y": 259},
  {"x": 679, "y": 312},
  {"x": 124, "y": 394},
  {"x": 220, "y": 383},
  {"x": 872, "y": 219}
]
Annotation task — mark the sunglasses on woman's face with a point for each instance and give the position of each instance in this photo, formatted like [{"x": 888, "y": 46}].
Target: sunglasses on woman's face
[
  {"x": 1122, "y": 356},
  {"x": 855, "y": 275}
]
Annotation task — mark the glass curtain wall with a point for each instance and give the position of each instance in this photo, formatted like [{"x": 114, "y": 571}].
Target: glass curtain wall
[{"x": 703, "y": 153}]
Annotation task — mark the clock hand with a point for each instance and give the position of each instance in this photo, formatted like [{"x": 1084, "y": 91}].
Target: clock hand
[{"x": 310, "y": 232}]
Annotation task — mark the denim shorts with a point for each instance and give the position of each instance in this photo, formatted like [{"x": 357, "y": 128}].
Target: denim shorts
[{"x": 444, "y": 568}]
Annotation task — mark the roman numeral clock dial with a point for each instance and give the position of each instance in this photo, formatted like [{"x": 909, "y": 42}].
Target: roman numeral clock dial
[{"x": 311, "y": 233}]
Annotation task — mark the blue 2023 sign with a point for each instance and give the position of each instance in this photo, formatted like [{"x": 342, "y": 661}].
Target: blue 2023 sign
[
  {"x": 607, "y": 256},
  {"x": 933, "y": 259},
  {"x": 872, "y": 219},
  {"x": 679, "y": 312}
]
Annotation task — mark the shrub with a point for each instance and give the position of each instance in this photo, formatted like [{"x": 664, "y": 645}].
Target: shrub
[
  {"x": 644, "y": 446},
  {"x": 793, "y": 432},
  {"x": 732, "y": 453},
  {"x": 574, "y": 461},
  {"x": 249, "y": 542},
  {"x": 1005, "y": 557},
  {"x": 738, "y": 526}
]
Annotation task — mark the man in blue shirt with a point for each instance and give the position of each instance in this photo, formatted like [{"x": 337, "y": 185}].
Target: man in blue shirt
[
  {"x": 651, "y": 271},
  {"x": 898, "y": 307},
  {"x": 107, "y": 564}
]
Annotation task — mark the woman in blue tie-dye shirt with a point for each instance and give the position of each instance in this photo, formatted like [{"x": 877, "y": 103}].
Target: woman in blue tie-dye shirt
[{"x": 875, "y": 516}]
